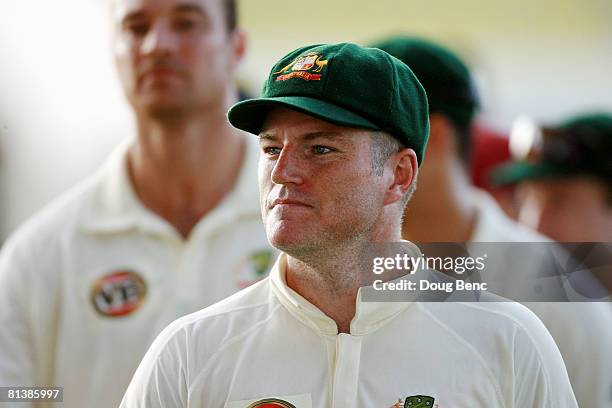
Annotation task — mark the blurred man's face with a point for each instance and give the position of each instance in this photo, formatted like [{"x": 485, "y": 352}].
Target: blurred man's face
[
  {"x": 173, "y": 55},
  {"x": 317, "y": 185},
  {"x": 567, "y": 210}
]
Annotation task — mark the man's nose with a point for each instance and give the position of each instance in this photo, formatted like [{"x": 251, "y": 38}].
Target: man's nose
[
  {"x": 289, "y": 167},
  {"x": 159, "y": 39}
]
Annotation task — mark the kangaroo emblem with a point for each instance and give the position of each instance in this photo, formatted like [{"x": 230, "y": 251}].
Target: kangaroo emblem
[{"x": 305, "y": 63}]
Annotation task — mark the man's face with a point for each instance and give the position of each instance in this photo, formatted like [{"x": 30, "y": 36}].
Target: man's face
[
  {"x": 317, "y": 185},
  {"x": 174, "y": 55},
  {"x": 567, "y": 210}
]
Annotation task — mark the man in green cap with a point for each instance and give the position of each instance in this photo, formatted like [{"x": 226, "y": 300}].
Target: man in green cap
[
  {"x": 445, "y": 213},
  {"x": 342, "y": 131},
  {"x": 564, "y": 177},
  {"x": 448, "y": 208}
]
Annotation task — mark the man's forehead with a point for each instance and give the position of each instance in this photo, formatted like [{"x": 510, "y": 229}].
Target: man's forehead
[
  {"x": 282, "y": 121},
  {"x": 122, "y": 8},
  {"x": 308, "y": 136}
]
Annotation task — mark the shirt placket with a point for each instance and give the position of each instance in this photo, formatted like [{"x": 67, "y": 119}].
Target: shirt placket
[
  {"x": 192, "y": 273},
  {"x": 346, "y": 371}
]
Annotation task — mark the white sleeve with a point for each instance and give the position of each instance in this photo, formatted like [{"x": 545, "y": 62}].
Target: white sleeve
[
  {"x": 583, "y": 332},
  {"x": 161, "y": 380},
  {"x": 540, "y": 376},
  {"x": 17, "y": 351}
]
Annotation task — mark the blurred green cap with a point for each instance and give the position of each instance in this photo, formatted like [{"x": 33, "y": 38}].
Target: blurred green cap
[
  {"x": 581, "y": 145},
  {"x": 446, "y": 79}
]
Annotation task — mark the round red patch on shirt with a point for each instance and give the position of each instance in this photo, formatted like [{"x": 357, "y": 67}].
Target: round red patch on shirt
[
  {"x": 271, "y": 403},
  {"x": 118, "y": 293}
]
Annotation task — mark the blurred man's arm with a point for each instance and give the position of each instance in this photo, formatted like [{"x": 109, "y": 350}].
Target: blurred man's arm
[
  {"x": 161, "y": 378},
  {"x": 17, "y": 351},
  {"x": 540, "y": 376}
]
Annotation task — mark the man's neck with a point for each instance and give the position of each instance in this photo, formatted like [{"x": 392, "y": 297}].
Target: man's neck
[
  {"x": 331, "y": 288},
  {"x": 181, "y": 171},
  {"x": 444, "y": 213},
  {"x": 331, "y": 279}
]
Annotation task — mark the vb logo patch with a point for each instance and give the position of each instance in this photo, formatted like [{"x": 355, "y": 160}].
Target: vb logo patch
[
  {"x": 306, "y": 67},
  {"x": 254, "y": 268},
  {"x": 271, "y": 403},
  {"x": 415, "y": 401},
  {"x": 118, "y": 294}
]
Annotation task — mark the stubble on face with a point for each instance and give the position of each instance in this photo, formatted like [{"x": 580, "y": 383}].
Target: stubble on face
[
  {"x": 341, "y": 191},
  {"x": 318, "y": 242}
]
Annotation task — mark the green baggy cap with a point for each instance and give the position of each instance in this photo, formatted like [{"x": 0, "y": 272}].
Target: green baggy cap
[
  {"x": 446, "y": 79},
  {"x": 579, "y": 146},
  {"x": 345, "y": 84}
]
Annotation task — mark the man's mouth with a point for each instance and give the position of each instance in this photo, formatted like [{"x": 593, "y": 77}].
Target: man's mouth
[
  {"x": 160, "y": 73},
  {"x": 160, "y": 70},
  {"x": 287, "y": 202}
]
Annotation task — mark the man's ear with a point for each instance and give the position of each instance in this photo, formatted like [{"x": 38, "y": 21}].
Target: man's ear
[
  {"x": 239, "y": 44},
  {"x": 405, "y": 168},
  {"x": 442, "y": 140}
]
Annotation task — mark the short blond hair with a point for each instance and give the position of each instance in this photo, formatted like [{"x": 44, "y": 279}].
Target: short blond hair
[{"x": 384, "y": 146}]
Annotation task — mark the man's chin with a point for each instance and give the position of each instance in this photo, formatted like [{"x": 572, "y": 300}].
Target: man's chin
[
  {"x": 164, "y": 110},
  {"x": 162, "y": 99},
  {"x": 289, "y": 239},
  {"x": 286, "y": 242}
]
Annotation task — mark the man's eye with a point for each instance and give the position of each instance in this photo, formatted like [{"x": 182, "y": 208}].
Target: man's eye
[
  {"x": 321, "y": 149},
  {"x": 137, "y": 29},
  {"x": 185, "y": 24},
  {"x": 271, "y": 151}
]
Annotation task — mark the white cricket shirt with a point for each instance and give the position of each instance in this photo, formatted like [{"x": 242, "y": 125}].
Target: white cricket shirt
[
  {"x": 87, "y": 284},
  {"x": 582, "y": 330},
  {"x": 267, "y": 342}
]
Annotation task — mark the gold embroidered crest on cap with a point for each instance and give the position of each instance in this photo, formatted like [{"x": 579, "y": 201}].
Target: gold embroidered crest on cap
[{"x": 305, "y": 66}]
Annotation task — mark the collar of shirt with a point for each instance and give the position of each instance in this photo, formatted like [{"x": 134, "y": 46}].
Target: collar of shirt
[
  {"x": 116, "y": 207},
  {"x": 493, "y": 225},
  {"x": 369, "y": 316}
]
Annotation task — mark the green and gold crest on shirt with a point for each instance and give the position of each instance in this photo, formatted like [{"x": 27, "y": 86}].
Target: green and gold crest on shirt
[
  {"x": 261, "y": 261},
  {"x": 419, "y": 401},
  {"x": 254, "y": 267}
]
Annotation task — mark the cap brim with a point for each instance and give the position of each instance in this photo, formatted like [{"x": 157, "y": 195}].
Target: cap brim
[
  {"x": 250, "y": 115},
  {"x": 516, "y": 172}
]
